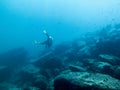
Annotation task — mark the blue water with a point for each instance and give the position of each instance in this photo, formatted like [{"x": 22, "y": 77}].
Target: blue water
[{"x": 22, "y": 21}]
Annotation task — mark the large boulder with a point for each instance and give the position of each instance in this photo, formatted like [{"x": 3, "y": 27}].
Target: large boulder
[
  {"x": 109, "y": 41},
  {"x": 117, "y": 72},
  {"x": 85, "y": 81},
  {"x": 103, "y": 67},
  {"x": 10, "y": 61},
  {"x": 13, "y": 57},
  {"x": 49, "y": 61},
  {"x": 49, "y": 64},
  {"x": 29, "y": 76}
]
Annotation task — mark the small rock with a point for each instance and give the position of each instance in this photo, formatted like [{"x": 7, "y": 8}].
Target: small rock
[{"x": 76, "y": 68}]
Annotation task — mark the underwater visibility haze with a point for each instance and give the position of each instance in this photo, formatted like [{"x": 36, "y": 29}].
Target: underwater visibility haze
[
  {"x": 22, "y": 21},
  {"x": 84, "y": 55}
]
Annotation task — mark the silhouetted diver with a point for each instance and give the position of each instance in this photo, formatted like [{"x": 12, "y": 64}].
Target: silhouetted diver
[{"x": 48, "y": 42}]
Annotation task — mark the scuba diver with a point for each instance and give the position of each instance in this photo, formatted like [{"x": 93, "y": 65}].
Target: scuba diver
[{"x": 48, "y": 43}]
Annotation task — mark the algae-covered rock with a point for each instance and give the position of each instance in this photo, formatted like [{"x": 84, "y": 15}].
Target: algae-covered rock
[
  {"x": 103, "y": 67},
  {"x": 30, "y": 68},
  {"x": 85, "y": 81},
  {"x": 114, "y": 60},
  {"x": 108, "y": 57},
  {"x": 117, "y": 72}
]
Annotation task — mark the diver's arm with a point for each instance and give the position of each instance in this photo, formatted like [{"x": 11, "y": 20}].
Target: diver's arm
[
  {"x": 39, "y": 43},
  {"x": 36, "y": 42},
  {"x": 45, "y": 32}
]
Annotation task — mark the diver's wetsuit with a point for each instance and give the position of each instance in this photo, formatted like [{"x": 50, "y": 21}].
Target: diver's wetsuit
[{"x": 48, "y": 42}]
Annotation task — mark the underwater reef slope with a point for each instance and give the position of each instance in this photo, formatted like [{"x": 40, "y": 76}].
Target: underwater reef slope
[{"x": 90, "y": 62}]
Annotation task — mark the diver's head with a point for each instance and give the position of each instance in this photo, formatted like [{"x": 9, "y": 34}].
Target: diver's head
[{"x": 50, "y": 37}]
